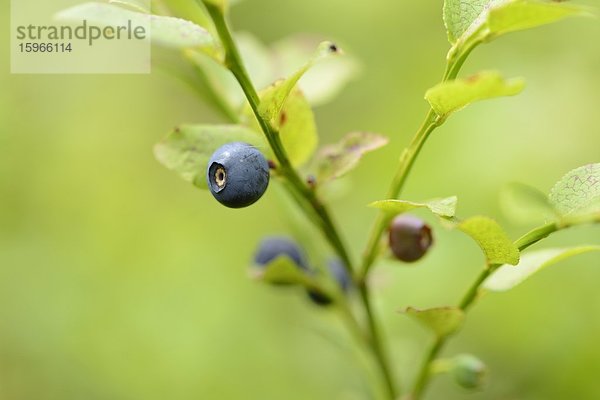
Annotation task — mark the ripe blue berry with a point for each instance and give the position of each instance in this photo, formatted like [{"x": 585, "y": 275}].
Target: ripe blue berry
[
  {"x": 409, "y": 238},
  {"x": 237, "y": 174},
  {"x": 341, "y": 276},
  {"x": 275, "y": 246}
]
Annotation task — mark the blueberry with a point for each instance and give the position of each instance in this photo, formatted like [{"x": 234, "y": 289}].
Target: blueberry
[
  {"x": 409, "y": 238},
  {"x": 237, "y": 174},
  {"x": 275, "y": 246},
  {"x": 340, "y": 274}
]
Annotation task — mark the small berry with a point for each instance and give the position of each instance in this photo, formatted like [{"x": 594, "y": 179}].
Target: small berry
[
  {"x": 275, "y": 246},
  {"x": 237, "y": 174},
  {"x": 409, "y": 238},
  {"x": 340, "y": 274},
  {"x": 469, "y": 371}
]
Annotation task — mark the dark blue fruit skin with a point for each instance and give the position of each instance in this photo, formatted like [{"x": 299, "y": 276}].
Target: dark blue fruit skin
[
  {"x": 409, "y": 238},
  {"x": 341, "y": 276},
  {"x": 237, "y": 174},
  {"x": 275, "y": 246},
  {"x": 340, "y": 273}
]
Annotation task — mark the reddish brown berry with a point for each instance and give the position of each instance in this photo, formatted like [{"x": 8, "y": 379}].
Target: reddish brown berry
[{"x": 409, "y": 238}]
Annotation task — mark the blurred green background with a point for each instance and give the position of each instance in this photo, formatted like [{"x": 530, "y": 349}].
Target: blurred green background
[{"x": 119, "y": 281}]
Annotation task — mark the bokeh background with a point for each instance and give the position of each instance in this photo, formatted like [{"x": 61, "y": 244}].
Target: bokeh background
[{"x": 120, "y": 281}]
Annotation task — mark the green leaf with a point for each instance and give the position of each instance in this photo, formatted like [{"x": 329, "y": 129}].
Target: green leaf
[
  {"x": 187, "y": 149},
  {"x": 336, "y": 160},
  {"x": 257, "y": 60},
  {"x": 190, "y": 10},
  {"x": 495, "y": 243},
  {"x": 459, "y": 15},
  {"x": 264, "y": 65},
  {"x": 506, "y": 277},
  {"x": 296, "y": 125},
  {"x": 165, "y": 31},
  {"x": 283, "y": 271},
  {"x": 484, "y": 20},
  {"x": 135, "y": 5},
  {"x": 448, "y": 97},
  {"x": 273, "y": 100},
  {"x": 445, "y": 207},
  {"x": 578, "y": 192},
  {"x": 443, "y": 321},
  {"x": 525, "y": 14},
  {"x": 325, "y": 79},
  {"x": 526, "y": 204}
]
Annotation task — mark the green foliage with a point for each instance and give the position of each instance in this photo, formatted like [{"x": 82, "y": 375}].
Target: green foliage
[
  {"x": 135, "y": 5},
  {"x": 168, "y": 32},
  {"x": 286, "y": 106},
  {"x": 445, "y": 207},
  {"x": 459, "y": 15},
  {"x": 187, "y": 149},
  {"x": 283, "y": 271},
  {"x": 506, "y": 277},
  {"x": 526, "y": 204},
  {"x": 324, "y": 76},
  {"x": 495, "y": 243},
  {"x": 335, "y": 160},
  {"x": 274, "y": 98},
  {"x": 578, "y": 192},
  {"x": 295, "y": 124},
  {"x": 223, "y": 85},
  {"x": 442, "y": 321},
  {"x": 192, "y": 11},
  {"x": 469, "y": 21},
  {"x": 574, "y": 199},
  {"x": 448, "y": 97},
  {"x": 525, "y": 14},
  {"x": 325, "y": 79}
]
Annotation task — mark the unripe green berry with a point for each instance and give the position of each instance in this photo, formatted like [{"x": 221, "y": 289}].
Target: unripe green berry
[{"x": 469, "y": 371}]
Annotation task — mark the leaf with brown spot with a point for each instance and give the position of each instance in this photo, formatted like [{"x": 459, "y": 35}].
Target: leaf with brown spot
[
  {"x": 335, "y": 160},
  {"x": 451, "y": 96}
]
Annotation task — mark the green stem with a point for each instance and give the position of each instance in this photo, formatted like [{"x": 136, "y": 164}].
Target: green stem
[
  {"x": 425, "y": 371},
  {"x": 473, "y": 291},
  {"x": 456, "y": 61},
  {"x": 468, "y": 300},
  {"x": 302, "y": 194},
  {"x": 537, "y": 234},
  {"x": 366, "y": 345},
  {"x": 205, "y": 87},
  {"x": 407, "y": 160},
  {"x": 377, "y": 344},
  {"x": 306, "y": 196}
]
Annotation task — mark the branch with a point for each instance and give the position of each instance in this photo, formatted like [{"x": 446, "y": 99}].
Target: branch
[
  {"x": 408, "y": 158},
  {"x": 304, "y": 196},
  {"x": 469, "y": 299}
]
